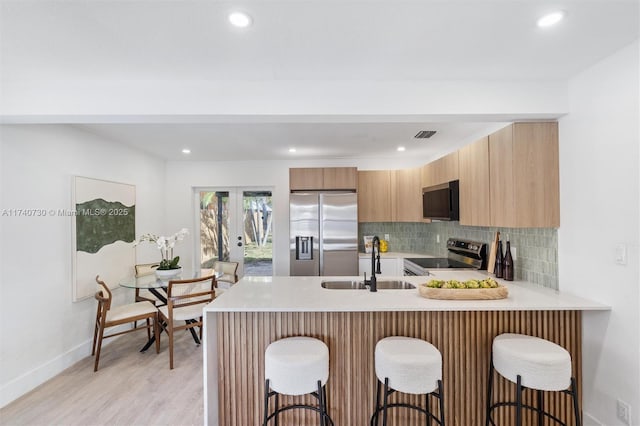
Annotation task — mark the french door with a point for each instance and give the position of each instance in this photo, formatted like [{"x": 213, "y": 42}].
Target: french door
[{"x": 236, "y": 226}]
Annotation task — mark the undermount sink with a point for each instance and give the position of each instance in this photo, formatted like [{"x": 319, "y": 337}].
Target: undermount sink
[
  {"x": 343, "y": 285},
  {"x": 359, "y": 285},
  {"x": 394, "y": 285}
]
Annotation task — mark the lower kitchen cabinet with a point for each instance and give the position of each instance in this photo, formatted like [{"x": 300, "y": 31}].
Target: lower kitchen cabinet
[{"x": 388, "y": 266}]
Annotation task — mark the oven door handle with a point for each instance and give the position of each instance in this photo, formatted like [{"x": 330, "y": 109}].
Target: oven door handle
[{"x": 409, "y": 273}]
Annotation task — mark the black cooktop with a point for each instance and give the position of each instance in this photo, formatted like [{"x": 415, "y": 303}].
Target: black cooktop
[{"x": 438, "y": 263}]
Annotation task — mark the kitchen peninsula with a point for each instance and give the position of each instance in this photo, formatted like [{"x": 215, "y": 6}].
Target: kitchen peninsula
[{"x": 259, "y": 310}]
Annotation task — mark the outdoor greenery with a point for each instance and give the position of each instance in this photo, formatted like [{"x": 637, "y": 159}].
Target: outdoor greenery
[
  {"x": 214, "y": 220},
  {"x": 254, "y": 252}
]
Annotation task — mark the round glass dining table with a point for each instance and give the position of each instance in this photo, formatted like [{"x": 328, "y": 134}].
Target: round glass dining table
[
  {"x": 151, "y": 281},
  {"x": 158, "y": 287}
]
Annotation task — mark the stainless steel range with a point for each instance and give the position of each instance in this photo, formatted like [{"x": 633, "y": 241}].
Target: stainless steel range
[{"x": 461, "y": 254}]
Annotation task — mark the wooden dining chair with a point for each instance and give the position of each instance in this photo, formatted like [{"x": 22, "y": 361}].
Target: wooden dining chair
[
  {"x": 108, "y": 316},
  {"x": 185, "y": 301},
  {"x": 144, "y": 295},
  {"x": 229, "y": 273}
]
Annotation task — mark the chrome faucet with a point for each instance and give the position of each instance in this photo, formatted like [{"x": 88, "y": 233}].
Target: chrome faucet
[{"x": 375, "y": 265}]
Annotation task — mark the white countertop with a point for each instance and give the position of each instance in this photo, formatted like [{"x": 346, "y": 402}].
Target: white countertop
[
  {"x": 393, "y": 255},
  {"x": 305, "y": 294}
]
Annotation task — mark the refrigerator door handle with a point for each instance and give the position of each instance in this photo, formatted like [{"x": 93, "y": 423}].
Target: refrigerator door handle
[{"x": 321, "y": 233}]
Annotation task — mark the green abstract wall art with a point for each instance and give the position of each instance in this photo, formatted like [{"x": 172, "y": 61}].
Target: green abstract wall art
[{"x": 103, "y": 227}]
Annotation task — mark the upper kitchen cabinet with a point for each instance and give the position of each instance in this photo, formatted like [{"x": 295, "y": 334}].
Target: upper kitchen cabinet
[
  {"x": 523, "y": 174},
  {"x": 473, "y": 165},
  {"x": 406, "y": 196},
  {"x": 340, "y": 178},
  {"x": 442, "y": 170},
  {"x": 374, "y": 196},
  {"x": 323, "y": 178},
  {"x": 306, "y": 178}
]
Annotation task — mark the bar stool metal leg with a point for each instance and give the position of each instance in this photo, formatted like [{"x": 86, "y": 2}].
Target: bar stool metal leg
[
  {"x": 540, "y": 408},
  {"x": 519, "y": 401},
  {"x": 385, "y": 399},
  {"x": 322, "y": 406},
  {"x": 574, "y": 395},
  {"x": 266, "y": 402},
  {"x": 428, "y": 409},
  {"x": 441, "y": 398},
  {"x": 376, "y": 410},
  {"x": 489, "y": 393}
]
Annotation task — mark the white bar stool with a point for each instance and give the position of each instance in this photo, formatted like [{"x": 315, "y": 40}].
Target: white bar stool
[
  {"x": 296, "y": 366},
  {"x": 409, "y": 365},
  {"x": 534, "y": 363}
]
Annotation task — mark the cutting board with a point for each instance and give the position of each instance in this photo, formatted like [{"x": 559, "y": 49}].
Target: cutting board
[{"x": 491, "y": 263}]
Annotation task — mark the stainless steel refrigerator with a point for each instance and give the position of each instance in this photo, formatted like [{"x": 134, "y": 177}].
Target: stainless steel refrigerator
[{"x": 323, "y": 233}]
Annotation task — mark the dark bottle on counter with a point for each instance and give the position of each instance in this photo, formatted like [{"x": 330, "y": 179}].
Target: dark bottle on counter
[
  {"x": 508, "y": 264},
  {"x": 499, "y": 262}
]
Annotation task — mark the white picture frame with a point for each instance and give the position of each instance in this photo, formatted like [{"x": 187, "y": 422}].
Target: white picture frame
[{"x": 103, "y": 233}]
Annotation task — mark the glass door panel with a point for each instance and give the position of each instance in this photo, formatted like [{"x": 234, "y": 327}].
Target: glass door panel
[
  {"x": 214, "y": 227},
  {"x": 236, "y": 226},
  {"x": 258, "y": 219}
]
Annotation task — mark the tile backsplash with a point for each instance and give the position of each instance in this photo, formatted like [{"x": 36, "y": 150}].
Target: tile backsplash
[{"x": 536, "y": 248}]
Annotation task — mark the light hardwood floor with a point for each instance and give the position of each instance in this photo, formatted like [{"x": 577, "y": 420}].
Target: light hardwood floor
[{"x": 130, "y": 388}]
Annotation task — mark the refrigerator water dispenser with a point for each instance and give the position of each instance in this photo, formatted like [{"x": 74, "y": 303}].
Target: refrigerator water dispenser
[{"x": 304, "y": 248}]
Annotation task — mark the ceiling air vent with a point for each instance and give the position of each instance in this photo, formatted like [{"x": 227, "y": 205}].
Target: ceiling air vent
[{"x": 425, "y": 134}]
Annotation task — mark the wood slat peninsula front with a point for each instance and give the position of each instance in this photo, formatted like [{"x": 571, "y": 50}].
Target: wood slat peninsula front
[{"x": 236, "y": 341}]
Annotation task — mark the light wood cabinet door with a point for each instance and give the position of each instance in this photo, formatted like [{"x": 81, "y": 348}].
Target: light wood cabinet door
[
  {"x": 388, "y": 267},
  {"x": 475, "y": 207},
  {"x": 444, "y": 169},
  {"x": 406, "y": 195},
  {"x": 340, "y": 178},
  {"x": 523, "y": 175},
  {"x": 501, "y": 178},
  {"x": 306, "y": 179},
  {"x": 374, "y": 196},
  {"x": 535, "y": 174},
  {"x": 426, "y": 175}
]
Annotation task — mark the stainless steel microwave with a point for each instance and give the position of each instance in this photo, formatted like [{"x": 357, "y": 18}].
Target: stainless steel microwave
[{"x": 441, "y": 202}]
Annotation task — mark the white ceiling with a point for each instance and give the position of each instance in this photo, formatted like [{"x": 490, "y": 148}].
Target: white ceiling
[
  {"x": 271, "y": 141},
  {"x": 384, "y": 40}
]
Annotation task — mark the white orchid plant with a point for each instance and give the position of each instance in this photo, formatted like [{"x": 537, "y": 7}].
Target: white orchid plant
[{"x": 165, "y": 245}]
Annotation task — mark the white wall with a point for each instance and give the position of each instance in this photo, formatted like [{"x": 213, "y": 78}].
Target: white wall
[
  {"x": 600, "y": 197},
  {"x": 42, "y": 331}
]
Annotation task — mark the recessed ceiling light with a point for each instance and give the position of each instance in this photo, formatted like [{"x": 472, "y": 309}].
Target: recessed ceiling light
[
  {"x": 240, "y": 19},
  {"x": 292, "y": 150},
  {"x": 551, "y": 18},
  {"x": 186, "y": 151},
  {"x": 401, "y": 148}
]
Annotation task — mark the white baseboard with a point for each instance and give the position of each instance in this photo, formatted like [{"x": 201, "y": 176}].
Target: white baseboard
[
  {"x": 589, "y": 420},
  {"x": 28, "y": 381}
]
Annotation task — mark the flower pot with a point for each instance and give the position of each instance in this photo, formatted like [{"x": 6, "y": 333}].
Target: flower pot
[{"x": 165, "y": 274}]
